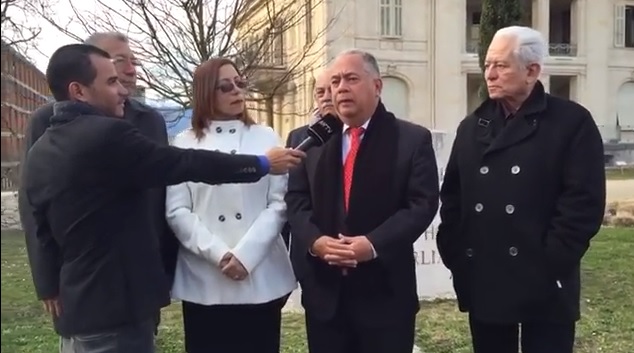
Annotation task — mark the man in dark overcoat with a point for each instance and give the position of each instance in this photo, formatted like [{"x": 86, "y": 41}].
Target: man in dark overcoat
[
  {"x": 356, "y": 206},
  {"x": 523, "y": 195}
]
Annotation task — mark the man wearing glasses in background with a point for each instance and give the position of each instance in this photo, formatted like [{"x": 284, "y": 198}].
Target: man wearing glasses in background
[{"x": 151, "y": 124}]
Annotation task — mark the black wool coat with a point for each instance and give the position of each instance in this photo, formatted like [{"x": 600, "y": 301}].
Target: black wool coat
[{"x": 521, "y": 199}]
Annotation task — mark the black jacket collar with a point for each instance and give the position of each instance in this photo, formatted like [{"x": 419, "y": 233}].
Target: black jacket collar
[
  {"x": 535, "y": 103},
  {"x": 65, "y": 111}
]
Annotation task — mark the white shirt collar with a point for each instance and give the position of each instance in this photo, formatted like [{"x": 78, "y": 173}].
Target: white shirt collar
[{"x": 364, "y": 126}]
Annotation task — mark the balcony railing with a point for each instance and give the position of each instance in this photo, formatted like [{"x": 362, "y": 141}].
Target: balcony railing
[
  {"x": 554, "y": 49},
  {"x": 562, "y": 49}
]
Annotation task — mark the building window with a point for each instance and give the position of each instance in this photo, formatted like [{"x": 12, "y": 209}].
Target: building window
[
  {"x": 624, "y": 26},
  {"x": 308, "y": 17},
  {"x": 276, "y": 44},
  {"x": 391, "y": 18}
]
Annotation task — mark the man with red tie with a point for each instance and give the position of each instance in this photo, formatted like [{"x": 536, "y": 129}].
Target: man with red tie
[{"x": 356, "y": 205}]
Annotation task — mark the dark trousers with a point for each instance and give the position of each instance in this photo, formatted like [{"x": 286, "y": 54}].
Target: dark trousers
[
  {"x": 232, "y": 328},
  {"x": 536, "y": 337},
  {"x": 347, "y": 334},
  {"x": 136, "y": 338}
]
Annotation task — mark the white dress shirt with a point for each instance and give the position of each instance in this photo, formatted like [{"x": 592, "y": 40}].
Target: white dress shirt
[
  {"x": 244, "y": 219},
  {"x": 345, "y": 147}
]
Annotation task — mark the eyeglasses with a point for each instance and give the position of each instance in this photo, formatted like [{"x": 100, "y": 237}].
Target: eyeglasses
[{"x": 226, "y": 86}]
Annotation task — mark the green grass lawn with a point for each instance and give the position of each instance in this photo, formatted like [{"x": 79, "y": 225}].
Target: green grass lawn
[
  {"x": 620, "y": 174},
  {"x": 607, "y": 324}
]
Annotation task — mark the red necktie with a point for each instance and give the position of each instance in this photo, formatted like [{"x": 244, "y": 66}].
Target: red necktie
[{"x": 348, "y": 165}]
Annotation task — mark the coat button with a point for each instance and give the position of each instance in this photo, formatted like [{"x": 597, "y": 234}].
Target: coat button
[
  {"x": 233, "y": 151},
  {"x": 484, "y": 170},
  {"x": 238, "y": 216},
  {"x": 479, "y": 207},
  {"x": 218, "y": 129},
  {"x": 515, "y": 169},
  {"x": 513, "y": 251},
  {"x": 232, "y": 131},
  {"x": 509, "y": 209},
  {"x": 221, "y": 218},
  {"x": 469, "y": 252}
]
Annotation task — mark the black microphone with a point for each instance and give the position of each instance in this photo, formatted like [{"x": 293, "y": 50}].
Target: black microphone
[{"x": 320, "y": 132}]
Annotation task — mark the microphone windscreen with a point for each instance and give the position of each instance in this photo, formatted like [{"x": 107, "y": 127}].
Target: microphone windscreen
[{"x": 324, "y": 128}]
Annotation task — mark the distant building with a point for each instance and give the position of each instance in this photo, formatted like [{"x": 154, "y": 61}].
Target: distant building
[
  {"x": 427, "y": 52},
  {"x": 24, "y": 89}
]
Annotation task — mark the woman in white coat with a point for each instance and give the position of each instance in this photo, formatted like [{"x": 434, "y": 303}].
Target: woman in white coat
[{"x": 233, "y": 271}]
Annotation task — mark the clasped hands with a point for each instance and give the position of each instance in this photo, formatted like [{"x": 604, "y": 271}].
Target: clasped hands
[
  {"x": 345, "y": 251},
  {"x": 232, "y": 267}
]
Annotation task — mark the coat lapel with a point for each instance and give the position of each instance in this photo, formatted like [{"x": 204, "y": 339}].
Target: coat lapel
[
  {"x": 516, "y": 131},
  {"x": 522, "y": 126}
]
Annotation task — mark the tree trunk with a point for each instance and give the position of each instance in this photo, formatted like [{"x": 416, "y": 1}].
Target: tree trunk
[{"x": 495, "y": 14}]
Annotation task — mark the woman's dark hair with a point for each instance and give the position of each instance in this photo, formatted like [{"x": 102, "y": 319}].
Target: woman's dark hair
[
  {"x": 71, "y": 63},
  {"x": 204, "y": 87}
]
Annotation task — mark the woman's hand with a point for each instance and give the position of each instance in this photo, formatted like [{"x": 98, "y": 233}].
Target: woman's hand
[{"x": 232, "y": 267}]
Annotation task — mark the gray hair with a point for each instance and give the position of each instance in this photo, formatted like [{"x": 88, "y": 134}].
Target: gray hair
[
  {"x": 96, "y": 38},
  {"x": 369, "y": 61},
  {"x": 531, "y": 45}
]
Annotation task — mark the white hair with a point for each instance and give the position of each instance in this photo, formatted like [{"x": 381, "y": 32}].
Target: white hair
[
  {"x": 531, "y": 47},
  {"x": 369, "y": 61}
]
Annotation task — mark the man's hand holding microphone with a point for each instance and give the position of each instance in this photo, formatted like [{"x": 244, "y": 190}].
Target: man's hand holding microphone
[{"x": 282, "y": 159}]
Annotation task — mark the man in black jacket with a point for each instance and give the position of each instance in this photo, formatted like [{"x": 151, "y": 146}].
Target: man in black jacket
[
  {"x": 523, "y": 195},
  {"x": 85, "y": 178},
  {"x": 356, "y": 205},
  {"x": 149, "y": 122}
]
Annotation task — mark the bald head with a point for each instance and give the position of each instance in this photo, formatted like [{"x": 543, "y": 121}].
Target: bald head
[
  {"x": 322, "y": 93},
  {"x": 322, "y": 79}
]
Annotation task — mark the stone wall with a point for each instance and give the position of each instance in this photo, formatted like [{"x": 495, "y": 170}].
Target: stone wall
[
  {"x": 619, "y": 214},
  {"x": 10, "y": 216}
]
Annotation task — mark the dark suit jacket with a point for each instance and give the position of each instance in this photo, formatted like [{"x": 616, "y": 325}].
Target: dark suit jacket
[
  {"x": 416, "y": 183},
  {"x": 86, "y": 178},
  {"x": 151, "y": 124},
  {"x": 295, "y": 137}
]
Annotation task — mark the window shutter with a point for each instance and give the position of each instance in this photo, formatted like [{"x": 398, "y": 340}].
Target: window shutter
[
  {"x": 385, "y": 18},
  {"x": 398, "y": 18},
  {"x": 619, "y": 26}
]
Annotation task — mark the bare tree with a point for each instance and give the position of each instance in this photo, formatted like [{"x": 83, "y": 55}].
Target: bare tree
[
  {"x": 173, "y": 37},
  {"x": 18, "y": 98},
  {"x": 16, "y": 32}
]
